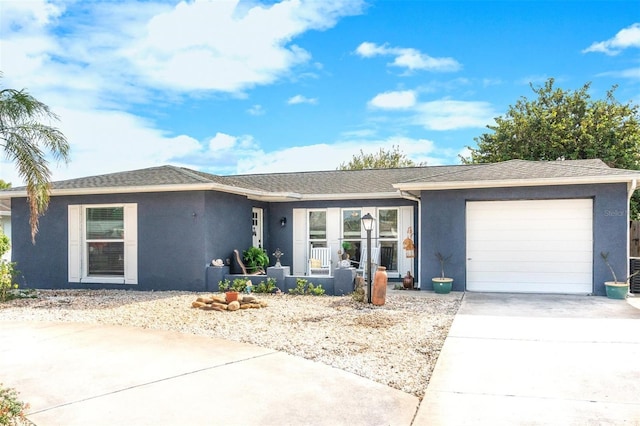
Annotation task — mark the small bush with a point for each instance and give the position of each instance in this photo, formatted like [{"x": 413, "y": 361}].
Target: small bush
[
  {"x": 239, "y": 285},
  {"x": 224, "y": 285},
  {"x": 11, "y": 408},
  {"x": 305, "y": 287},
  {"x": 267, "y": 287},
  {"x": 7, "y": 278}
]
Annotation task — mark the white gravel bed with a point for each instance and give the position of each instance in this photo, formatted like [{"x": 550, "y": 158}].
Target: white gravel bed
[{"x": 396, "y": 344}]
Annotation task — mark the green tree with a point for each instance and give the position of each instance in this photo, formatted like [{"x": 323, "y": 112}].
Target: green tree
[
  {"x": 564, "y": 124},
  {"x": 382, "y": 159},
  {"x": 26, "y": 138},
  {"x": 4, "y": 185}
]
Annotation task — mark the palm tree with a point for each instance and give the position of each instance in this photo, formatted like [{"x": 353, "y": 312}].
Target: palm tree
[{"x": 23, "y": 135}]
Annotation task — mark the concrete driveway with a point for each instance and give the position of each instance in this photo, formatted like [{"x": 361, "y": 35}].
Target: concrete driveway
[
  {"x": 538, "y": 360},
  {"x": 95, "y": 375}
]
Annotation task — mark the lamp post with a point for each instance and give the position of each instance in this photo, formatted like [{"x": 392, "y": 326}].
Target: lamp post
[{"x": 367, "y": 222}]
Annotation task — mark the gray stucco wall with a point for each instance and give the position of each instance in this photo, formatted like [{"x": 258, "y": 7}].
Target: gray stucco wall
[
  {"x": 178, "y": 235},
  {"x": 443, "y": 226}
]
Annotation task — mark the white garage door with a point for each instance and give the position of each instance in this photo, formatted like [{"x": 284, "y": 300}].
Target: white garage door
[{"x": 532, "y": 246}]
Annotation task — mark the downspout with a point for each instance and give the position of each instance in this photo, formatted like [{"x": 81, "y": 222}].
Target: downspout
[
  {"x": 408, "y": 196},
  {"x": 631, "y": 187}
]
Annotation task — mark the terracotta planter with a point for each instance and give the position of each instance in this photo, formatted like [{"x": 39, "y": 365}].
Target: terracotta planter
[
  {"x": 616, "y": 290},
  {"x": 407, "y": 281},
  {"x": 379, "y": 291},
  {"x": 442, "y": 285},
  {"x": 231, "y": 296}
]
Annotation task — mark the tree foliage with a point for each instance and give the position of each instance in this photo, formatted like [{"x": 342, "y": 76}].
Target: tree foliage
[
  {"x": 4, "y": 185},
  {"x": 26, "y": 139},
  {"x": 564, "y": 124},
  {"x": 382, "y": 159}
]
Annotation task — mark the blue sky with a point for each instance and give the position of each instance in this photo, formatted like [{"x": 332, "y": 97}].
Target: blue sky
[{"x": 233, "y": 87}]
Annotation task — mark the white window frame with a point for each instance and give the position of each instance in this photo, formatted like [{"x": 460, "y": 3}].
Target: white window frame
[
  {"x": 77, "y": 262},
  {"x": 324, "y": 241}
]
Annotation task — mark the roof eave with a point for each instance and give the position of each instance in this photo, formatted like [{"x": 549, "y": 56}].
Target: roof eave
[
  {"x": 440, "y": 186},
  {"x": 134, "y": 189},
  {"x": 273, "y": 197}
]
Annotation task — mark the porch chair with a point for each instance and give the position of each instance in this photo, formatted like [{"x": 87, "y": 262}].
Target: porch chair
[
  {"x": 375, "y": 260},
  {"x": 259, "y": 271},
  {"x": 319, "y": 261}
]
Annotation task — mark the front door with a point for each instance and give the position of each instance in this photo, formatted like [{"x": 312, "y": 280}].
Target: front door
[{"x": 257, "y": 226}]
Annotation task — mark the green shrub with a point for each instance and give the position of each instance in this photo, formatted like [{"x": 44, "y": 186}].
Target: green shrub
[
  {"x": 7, "y": 278},
  {"x": 305, "y": 287},
  {"x": 5, "y": 244},
  {"x": 11, "y": 408},
  {"x": 267, "y": 287},
  {"x": 224, "y": 285},
  {"x": 239, "y": 285},
  {"x": 255, "y": 258}
]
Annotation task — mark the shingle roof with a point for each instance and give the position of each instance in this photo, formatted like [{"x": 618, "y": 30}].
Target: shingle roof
[
  {"x": 340, "y": 183},
  {"x": 164, "y": 175},
  {"x": 523, "y": 170}
]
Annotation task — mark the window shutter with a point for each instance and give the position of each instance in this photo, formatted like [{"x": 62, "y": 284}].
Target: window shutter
[
  {"x": 299, "y": 241},
  {"x": 75, "y": 247},
  {"x": 131, "y": 244}
]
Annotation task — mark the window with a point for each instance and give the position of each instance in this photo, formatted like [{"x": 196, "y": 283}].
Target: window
[
  {"x": 318, "y": 228},
  {"x": 388, "y": 234},
  {"x": 352, "y": 232},
  {"x": 103, "y": 243}
]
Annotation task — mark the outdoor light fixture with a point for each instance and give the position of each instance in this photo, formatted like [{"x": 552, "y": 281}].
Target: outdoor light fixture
[
  {"x": 283, "y": 221},
  {"x": 367, "y": 222}
]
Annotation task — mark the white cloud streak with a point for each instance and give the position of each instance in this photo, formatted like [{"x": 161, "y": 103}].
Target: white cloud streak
[
  {"x": 625, "y": 38},
  {"x": 394, "y": 100},
  {"x": 408, "y": 58},
  {"x": 300, "y": 99}
]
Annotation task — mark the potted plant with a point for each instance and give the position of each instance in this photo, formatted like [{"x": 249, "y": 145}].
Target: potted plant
[
  {"x": 442, "y": 284},
  {"x": 346, "y": 246},
  {"x": 616, "y": 289},
  {"x": 255, "y": 259}
]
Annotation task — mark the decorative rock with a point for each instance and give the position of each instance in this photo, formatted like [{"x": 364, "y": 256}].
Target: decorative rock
[
  {"x": 216, "y": 298},
  {"x": 198, "y": 304},
  {"x": 222, "y": 306},
  {"x": 248, "y": 299},
  {"x": 233, "y": 306},
  {"x": 211, "y": 308},
  {"x": 204, "y": 300}
]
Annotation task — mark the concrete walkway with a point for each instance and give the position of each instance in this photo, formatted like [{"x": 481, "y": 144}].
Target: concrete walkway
[
  {"x": 508, "y": 360},
  {"x": 538, "y": 360}
]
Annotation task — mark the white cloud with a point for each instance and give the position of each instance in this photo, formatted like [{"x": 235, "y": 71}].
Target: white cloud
[
  {"x": 256, "y": 110},
  {"x": 229, "y": 47},
  {"x": 625, "y": 38},
  {"x": 632, "y": 73},
  {"x": 329, "y": 156},
  {"x": 299, "y": 99},
  {"x": 105, "y": 141},
  {"x": 394, "y": 100},
  {"x": 409, "y": 58},
  {"x": 446, "y": 114}
]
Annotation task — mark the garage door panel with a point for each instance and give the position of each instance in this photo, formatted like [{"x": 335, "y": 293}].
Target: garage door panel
[
  {"x": 526, "y": 256},
  {"x": 530, "y": 246},
  {"x": 568, "y": 288},
  {"x": 517, "y": 278},
  {"x": 555, "y": 235},
  {"x": 526, "y": 267}
]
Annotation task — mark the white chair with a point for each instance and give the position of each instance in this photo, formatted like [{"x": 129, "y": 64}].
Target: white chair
[
  {"x": 319, "y": 261},
  {"x": 375, "y": 260}
]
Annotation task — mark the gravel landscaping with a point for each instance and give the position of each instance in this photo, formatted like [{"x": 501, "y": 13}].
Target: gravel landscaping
[{"x": 396, "y": 344}]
